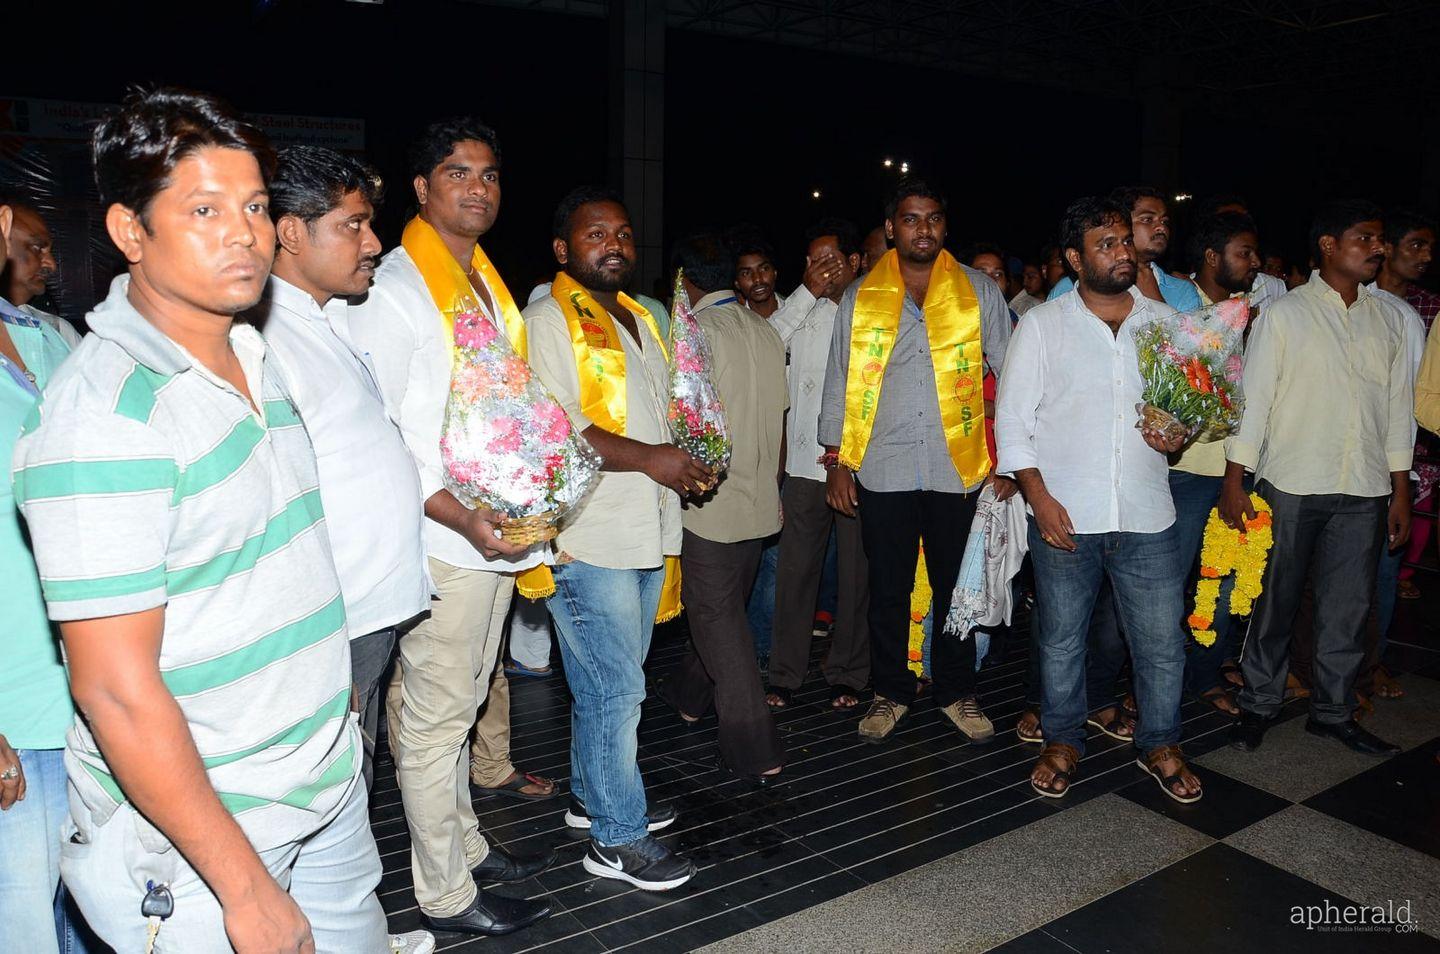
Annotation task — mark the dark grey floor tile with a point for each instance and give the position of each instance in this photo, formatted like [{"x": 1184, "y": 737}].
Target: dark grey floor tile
[
  {"x": 1399, "y": 799},
  {"x": 1228, "y": 806}
]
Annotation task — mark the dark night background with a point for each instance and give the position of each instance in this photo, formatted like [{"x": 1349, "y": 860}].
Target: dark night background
[{"x": 751, "y": 127}]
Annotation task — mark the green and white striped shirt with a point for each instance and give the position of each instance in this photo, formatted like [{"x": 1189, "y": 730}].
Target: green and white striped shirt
[{"x": 147, "y": 480}]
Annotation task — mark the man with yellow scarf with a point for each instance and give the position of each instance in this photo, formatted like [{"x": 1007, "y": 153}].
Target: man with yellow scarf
[
  {"x": 404, "y": 331},
  {"x": 600, "y": 353},
  {"x": 902, "y": 423}
]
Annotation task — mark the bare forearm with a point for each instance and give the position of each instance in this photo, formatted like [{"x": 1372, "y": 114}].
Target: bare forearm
[
  {"x": 444, "y": 509},
  {"x": 1234, "y": 473},
  {"x": 1032, "y": 485},
  {"x": 622, "y": 454},
  {"x": 147, "y": 744}
]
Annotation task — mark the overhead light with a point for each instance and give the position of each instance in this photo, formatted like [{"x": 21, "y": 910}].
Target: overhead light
[
  {"x": 888, "y": 163},
  {"x": 904, "y": 167},
  {"x": 815, "y": 194},
  {"x": 1183, "y": 197}
]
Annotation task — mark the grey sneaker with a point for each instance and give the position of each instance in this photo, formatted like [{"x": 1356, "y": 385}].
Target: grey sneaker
[
  {"x": 968, "y": 718},
  {"x": 881, "y": 720},
  {"x": 415, "y": 942}
]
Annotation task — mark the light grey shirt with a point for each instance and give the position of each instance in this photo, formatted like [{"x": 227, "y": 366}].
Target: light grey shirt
[{"x": 907, "y": 449}]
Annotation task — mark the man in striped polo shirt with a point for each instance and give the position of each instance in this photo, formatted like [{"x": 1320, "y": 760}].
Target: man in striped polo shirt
[{"x": 172, "y": 499}]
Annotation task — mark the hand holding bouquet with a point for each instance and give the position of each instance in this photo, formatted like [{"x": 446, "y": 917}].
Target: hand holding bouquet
[
  {"x": 1190, "y": 366},
  {"x": 696, "y": 416},
  {"x": 506, "y": 443}
]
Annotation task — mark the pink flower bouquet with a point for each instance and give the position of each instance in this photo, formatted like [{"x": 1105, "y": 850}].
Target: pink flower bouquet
[
  {"x": 1190, "y": 364},
  {"x": 506, "y": 443},
  {"x": 697, "y": 418}
]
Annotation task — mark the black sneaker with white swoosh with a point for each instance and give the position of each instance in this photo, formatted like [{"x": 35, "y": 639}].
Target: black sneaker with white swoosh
[
  {"x": 657, "y": 816},
  {"x": 645, "y": 863}
]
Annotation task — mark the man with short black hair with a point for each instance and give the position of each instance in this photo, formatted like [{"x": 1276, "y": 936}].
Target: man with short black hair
[
  {"x": 755, "y": 274},
  {"x": 600, "y": 352},
  {"x": 1327, "y": 432},
  {"x": 30, "y": 265},
  {"x": 404, "y": 327},
  {"x": 902, "y": 424},
  {"x": 1100, "y": 506},
  {"x": 170, "y": 491},
  {"x": 806, "y": 324}
]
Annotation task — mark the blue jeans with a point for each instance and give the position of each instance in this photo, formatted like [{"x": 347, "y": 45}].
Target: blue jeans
[
  {"x": 33, "y": 908},
  {"x": 1146, "y": 575},
  {"x": 760, "y": 607},
  {"x": 604, "y": 619},
  {"x": 1195, "y": 496},
  {"x": 1387, "y": 584}
]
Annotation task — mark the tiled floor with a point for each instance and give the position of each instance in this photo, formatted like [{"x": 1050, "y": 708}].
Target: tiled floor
[{"x": 864, "y": 847}]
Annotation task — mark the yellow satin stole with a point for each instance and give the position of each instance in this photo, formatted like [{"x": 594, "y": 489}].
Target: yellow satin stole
[
  {"x": 600, "y": 368},
  {"x": 952, "y": 326}
]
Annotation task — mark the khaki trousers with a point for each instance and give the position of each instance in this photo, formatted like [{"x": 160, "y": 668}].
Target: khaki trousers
[
  {"x": 441, "y": 679},
  {"x": 490, "y": 751}
]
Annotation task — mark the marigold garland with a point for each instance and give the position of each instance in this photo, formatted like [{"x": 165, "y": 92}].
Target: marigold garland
[
  {"x": 920, "y": 597},
  {"x": 1226, "y": 551}
]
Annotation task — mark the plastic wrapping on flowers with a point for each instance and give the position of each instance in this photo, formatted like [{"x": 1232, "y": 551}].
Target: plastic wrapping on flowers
[
  {"x": 506, "y": 443},
  {"x": 1190, "y": 366},
  {"x": 695, "y": 414}
]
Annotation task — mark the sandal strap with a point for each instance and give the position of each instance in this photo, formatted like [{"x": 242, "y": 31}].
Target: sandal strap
[
  {"x": 1061, "y": 750},
  {"x": 1155, "y": 756}
]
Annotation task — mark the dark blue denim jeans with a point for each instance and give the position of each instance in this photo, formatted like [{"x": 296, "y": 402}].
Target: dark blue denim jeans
[
  {"x": 760, "y": 607},
  {"x": 1146, "y": 575},
  {"x": 1195, "y": 496},
  {"x": 604, "y": 619}
]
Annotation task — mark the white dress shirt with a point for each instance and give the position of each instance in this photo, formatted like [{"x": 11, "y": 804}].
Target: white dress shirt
[
  {"x": 399, "y": 330},
  {"x": 805, "y": 324},
  {"x": 368, "y": 484},
  {"x": 1414, "y": 327},
  {"x": 1067, "y": 406}
]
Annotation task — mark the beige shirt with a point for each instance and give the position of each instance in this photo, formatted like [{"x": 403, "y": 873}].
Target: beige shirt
[
  {"x": 749, "y": 374},
  {"x": 628, "y": 522},
  {"x": 1328, "y": 395}
]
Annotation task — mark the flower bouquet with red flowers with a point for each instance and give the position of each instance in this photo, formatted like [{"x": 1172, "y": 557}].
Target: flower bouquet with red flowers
[
  {"x": 1190, "y": 365},
  {"x": 696, "y": 416},
  {"x": 506, "y": 443}
]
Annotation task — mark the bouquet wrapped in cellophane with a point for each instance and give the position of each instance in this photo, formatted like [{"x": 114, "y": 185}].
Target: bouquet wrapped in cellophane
[
  {"x": 506, "y": 443},
  {"x": 696, "y": 416},
  {"x": 1190, "y": 365}
]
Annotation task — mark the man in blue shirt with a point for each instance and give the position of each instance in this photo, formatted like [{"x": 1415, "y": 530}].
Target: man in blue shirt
[{"x": 1150, "y": 223}]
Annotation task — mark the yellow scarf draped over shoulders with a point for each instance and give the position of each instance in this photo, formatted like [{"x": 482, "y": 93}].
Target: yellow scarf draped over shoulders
[
  {"x": 952, "y": 327},
  {"x": 450, "y": 287},
  {"x": 600, "y": 370}
]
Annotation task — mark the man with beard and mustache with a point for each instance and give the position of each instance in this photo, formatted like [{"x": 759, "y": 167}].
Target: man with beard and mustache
[
  {"x": 725, "y": 530},
  {"x": 1327, "y": 431},
  {"x": 31, "y": 265},
  {"x": 601, "y": 354},
  {"x": 1150, "y": 220},
  {"x": 404, "y": 328},
  {"x": 902, "y": 424},
  {"x": 171, "y": 495},
  {"x": 323, "y": 204},
  {"x": 1100, "y": 505}
]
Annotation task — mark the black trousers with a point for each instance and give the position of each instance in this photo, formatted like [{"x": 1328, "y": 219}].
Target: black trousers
[
  {"x": 1337, "y": 538},
  {"x": 720, "y": 667},
  {"x": 808, "y": 519},
  {"x": 892, "y": 525}
]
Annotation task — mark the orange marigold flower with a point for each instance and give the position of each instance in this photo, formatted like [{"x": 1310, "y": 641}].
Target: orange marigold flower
[
  {"x": 1198, "y": 622},
  {"x": 1209, "y": 572}
]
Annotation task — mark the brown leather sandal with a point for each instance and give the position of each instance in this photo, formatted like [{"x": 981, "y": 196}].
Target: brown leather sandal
[
  {"x": 1150, "y": 763},
  {"x": 1028, "y": 728},
  {"x": 1049, "y": 757}
]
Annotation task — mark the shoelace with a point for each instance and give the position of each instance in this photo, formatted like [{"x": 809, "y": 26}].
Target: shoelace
[
  {"x": 883, "y": 708},
  {"x": 970, "y": 708},
  {"x": 649, "y": 848}
]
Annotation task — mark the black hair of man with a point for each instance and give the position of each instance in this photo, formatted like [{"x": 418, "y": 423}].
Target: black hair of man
[
  {"x": 745, "y": 240},
  {"x": 574, "y": 199},
  {"x": 17, "y": 198},
  {"x": 1334, "y": 218},
  {"x": 1212, "y": 204},
  {"x": 986, "y": 248},
  {"x": 135, "y": 149},
  {"x": 1048, "y": 252},
  {"x": 1089, "y": 212},
  {"x": 846, "y": 235},
  {"x": 910, "y": 187},
  {"x": 439, "y": 139},
  {"x": 309, "y": 181},
  {"x": 1214, "y": 232},
  {"x": 1401, "y": 222},
  {"x": 1127, "y": 196},
  {"x": 706, "y": 260}
]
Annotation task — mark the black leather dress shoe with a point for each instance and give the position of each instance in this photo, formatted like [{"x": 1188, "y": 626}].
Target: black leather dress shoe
[
  {"x": 492, "y": 915},
  {"x": 1249, "y": 731},
  {"x": 499, "y": 866},
  {"x": 1354, "y": 738}
]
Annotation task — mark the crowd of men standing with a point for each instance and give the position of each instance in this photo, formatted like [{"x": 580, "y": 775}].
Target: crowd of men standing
[{"x": 229, "y": 497}]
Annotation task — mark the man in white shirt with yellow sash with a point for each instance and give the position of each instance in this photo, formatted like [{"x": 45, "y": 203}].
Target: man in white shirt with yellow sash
[
  {"x": 902, "y": 422},
  {"x": 600, "y": 353},
  {"x": 405, "y": 329}
]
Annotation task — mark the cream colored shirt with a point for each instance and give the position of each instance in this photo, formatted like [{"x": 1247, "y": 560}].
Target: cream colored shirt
[
  {"x": 1427, "y": 385},
  {"x": 628, "y": 522},
  {"x": 749, "y": 374},
  {"x": 1328, "y": 395}
]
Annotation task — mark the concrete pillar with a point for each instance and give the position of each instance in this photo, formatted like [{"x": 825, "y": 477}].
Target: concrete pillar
[{"x": 637, "y": 125}]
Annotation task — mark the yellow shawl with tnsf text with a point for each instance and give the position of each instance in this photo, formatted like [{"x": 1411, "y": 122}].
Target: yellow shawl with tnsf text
[{"x": 952, "y": 326}]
